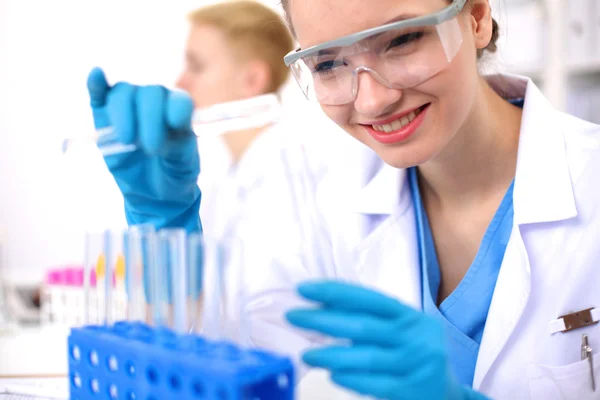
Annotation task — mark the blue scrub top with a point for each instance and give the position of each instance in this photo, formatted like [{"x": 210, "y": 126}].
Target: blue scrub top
[{"x": 465, "y": 311}]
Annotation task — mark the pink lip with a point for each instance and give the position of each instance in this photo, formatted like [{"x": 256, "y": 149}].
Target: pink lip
[{"x": 399, "y": 135}]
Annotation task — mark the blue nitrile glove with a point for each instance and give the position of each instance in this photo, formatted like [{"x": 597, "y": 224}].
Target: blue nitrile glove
[
  {"x": 159, "y": 180},
  {"x": 394, "y": 351}
]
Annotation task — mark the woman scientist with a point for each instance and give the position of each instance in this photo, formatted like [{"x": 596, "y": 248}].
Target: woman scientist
[
  {"x": 233, "y": 57},
  {"x": 233, "y": 61},
  {"x": 472, "y": 238}
]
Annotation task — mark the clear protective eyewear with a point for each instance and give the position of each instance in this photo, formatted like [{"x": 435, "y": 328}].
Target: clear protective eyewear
[{"x": 398, "y": 55}]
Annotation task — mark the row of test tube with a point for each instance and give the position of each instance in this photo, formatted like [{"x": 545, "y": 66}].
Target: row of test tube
[{"x": 166, "y": 278}]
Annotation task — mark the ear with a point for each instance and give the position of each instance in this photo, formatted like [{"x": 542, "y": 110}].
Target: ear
[
  {"x": 256, "y": 78},
  {"x": 481, "y": 22}
]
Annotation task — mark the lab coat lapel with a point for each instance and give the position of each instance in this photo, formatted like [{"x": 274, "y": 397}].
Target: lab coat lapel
[
  {"x": 387, "y": 257},
  {"x": 542, "y": 193}
]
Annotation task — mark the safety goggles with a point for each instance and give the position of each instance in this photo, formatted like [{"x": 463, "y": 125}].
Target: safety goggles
[{"x": 399, "y": 55}]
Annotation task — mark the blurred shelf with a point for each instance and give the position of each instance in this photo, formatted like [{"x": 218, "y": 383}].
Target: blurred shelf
[
  {"x": 532, "y": 71},
  {"x": 573, "y": 69}
]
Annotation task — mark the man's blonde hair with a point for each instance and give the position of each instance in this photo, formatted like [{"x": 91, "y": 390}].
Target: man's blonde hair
[{"x": 254, "y": 30}]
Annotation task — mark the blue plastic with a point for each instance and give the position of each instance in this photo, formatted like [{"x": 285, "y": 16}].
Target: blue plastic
[{"x": 133, "y": 361}]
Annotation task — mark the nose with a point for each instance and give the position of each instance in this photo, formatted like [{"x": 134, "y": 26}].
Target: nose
[
  {"x": 180, "y": 84},
  {"x": 374, "y": 98}
]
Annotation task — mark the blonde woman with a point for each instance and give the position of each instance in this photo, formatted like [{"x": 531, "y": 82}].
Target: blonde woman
[{"x": 233, "y": 53}]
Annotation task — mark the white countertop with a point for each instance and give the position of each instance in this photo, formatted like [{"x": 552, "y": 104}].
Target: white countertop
[{"x": 34, "y": 352}]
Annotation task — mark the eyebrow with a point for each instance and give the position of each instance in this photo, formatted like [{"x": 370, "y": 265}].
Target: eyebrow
[
  {"x": 402, "y": 17},
  {"x": 328, "y": 52}
]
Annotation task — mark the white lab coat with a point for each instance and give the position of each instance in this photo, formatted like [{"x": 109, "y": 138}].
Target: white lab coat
[
  {"x": 551, "y": 265},
  {"x": 232, "y": 192},
  {"x": 225, "y": 184}
]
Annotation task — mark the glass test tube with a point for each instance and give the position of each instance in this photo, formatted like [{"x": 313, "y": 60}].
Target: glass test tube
[
  {"x": 234, "y": 290},
  {"x": 212, "y": 293},
  {"x": 140, "y": 256},
  {"x": 113, "y": 251},
  {"x": 173, "y": 264},
  {"x": 94, "y": 266},
  {"x": 195, "y": 281}
]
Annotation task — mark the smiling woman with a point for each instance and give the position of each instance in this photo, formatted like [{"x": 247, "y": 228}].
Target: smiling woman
[
  {"x": 402, "y": 78},
  {"x": 455, "y": 243}
]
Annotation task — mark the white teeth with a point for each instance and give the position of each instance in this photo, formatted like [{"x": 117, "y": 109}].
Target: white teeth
[{"x": 397, "y": 124}]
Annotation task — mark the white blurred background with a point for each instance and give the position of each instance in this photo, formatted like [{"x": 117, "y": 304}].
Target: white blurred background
[{"x": 47, "y": 49}]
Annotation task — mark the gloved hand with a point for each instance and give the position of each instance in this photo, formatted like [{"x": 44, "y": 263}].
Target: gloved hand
[
  {"x": 395, "y": 351},
  {"x": 159, "y": 179}
]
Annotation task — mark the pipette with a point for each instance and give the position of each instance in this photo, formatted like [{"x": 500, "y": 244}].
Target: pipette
[{"x": 217, "y": 119}]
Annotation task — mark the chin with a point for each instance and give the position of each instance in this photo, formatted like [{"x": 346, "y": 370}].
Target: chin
[
  {"x": 402, "y": 155},
  {"x": 401, "y": 159}
]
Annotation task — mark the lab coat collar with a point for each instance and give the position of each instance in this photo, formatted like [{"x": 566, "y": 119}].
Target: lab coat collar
[
  {"x": 542, "y": 191},
  {"x": 383, "y": 194}
]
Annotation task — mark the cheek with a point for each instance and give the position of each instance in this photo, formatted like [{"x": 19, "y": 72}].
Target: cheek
[
  {"x": 214, "y": 86},
  {"x": 340, "y": 115}
]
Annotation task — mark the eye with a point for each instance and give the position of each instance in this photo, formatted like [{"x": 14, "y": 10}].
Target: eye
[
  {"x": 405, "y": 39},
  {"x": 327, "y": 66}
]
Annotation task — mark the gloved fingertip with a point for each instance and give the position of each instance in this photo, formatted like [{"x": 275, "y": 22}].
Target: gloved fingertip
[
  {"x": 313, "y": 289},
  {"x": 296, "y": 317},
  {"x": 313, "y": 357},
  {"x": 309, "y": 359},
  {"x": 180, "y": 109},
  {"x": 97, "y": 87}
]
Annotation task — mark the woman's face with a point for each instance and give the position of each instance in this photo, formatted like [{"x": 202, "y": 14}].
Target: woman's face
[
  {"x": 443, "y": 102},
  {"x": 212, "y": 72}
]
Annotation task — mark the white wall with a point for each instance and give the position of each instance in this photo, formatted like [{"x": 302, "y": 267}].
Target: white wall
[{"x": 46, "y": 51}]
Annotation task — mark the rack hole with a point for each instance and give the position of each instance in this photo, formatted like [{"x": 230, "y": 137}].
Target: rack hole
[
  {"x": 152, "y": 375},
  {"x": 174, "y": 382},
  {"x": 283, "y": 382},
  {"x": 198, "y": 388},
  {"x": 94, "y": 358},
  {"x": 113, "y": 392},
  {"x": 77, "y": 380},
  {"x": 95, "y": 386},
  {"x": 76, "y": 353},
  {"x": 130, "y": 368},
  {"x": 113, "y": 364}
]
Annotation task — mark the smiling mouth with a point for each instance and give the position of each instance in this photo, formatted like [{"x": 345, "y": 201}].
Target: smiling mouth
[{"x": 401, "y": 122}]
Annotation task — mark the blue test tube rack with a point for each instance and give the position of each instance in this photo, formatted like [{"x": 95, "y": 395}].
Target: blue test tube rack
[{"x": 135, "y": 361}]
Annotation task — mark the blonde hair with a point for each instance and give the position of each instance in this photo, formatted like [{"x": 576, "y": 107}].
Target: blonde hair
[{"x": 254, "y": 30}]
